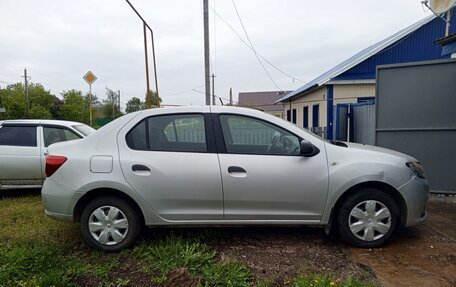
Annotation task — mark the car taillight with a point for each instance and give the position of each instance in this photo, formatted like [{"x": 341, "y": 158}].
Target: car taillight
[{"x": 53, "y": 163}]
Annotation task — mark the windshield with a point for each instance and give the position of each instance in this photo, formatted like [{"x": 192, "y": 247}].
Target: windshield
[{"x": 84, "y": 129}]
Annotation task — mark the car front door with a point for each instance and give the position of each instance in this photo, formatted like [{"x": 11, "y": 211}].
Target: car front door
[
  {"x": 170, "y": 160},
  {"x": 20, "y": 156},
  {"x": 264, "y": 176}
]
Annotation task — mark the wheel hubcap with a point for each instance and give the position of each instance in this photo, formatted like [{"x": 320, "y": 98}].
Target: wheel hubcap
[
  {"x": 108, "y": 225},
  {"x": 369, "y": 220}
]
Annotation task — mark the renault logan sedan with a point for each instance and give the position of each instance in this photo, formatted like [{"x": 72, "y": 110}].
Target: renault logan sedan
[{"x": 225, "y": 166}]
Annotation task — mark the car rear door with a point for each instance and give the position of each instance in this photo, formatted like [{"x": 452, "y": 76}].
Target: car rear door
[
  {"x": 171, "y": 161},
  {"x": 20, "y": 156},
  {"x": 264, "y": 176}
]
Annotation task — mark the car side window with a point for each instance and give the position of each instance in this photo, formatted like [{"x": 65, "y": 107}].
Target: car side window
[
  {"x": 253, "y": 136},
  {"x": 183, "y": 132},
  {"x": 55, "y": 135},
  {"x": 18, "y": 136}
]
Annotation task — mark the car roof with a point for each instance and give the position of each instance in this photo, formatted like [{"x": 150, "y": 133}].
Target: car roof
[
  {"x": 39, "y": 121},
  {"x": 213, "y": 109}
]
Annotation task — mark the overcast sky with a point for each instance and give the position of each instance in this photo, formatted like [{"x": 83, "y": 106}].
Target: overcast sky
[{"x": 59, "y": 41}]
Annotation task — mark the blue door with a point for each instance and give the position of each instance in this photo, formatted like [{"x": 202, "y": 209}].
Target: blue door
[
  {"x": 306, "y": 117},
  {"x": 315, "y": 116}
]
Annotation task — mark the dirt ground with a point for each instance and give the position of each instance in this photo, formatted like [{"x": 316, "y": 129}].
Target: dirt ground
[{"x": 420, "y": 256}]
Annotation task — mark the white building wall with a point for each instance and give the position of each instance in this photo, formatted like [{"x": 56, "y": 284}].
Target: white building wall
[
  {"x": 316, "y": 97},
  {"x": 350, "y": 93},
  {"x": 342, "y": 93}
]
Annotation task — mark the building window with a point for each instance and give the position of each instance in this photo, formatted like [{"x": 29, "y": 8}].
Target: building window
[
  {"x": 315, "y": 116},
  {"x": 294, "y": 116},
  {"x": 289, "y": 115},
  {"x": 367, "y": 100},
  {"x": 306, "y": 117}
]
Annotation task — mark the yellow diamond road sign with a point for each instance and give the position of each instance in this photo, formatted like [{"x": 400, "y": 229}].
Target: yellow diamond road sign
[{"x": 89, "y": 77}]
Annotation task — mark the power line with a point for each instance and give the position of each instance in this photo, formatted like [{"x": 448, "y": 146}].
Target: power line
[
  {"x": 248, "y": 46},
  {"x": 8, "y": 83},
  {"x": 253, "y": 49},
  {"x": 183, "y": 91}
]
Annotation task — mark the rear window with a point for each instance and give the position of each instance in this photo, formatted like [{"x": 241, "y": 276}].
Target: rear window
[
  {"x": 180, "y": 133},
  {"x": 55, "y": 135},
  {"x": 18, "y": 136},
  {"x": 84, "y": 129}
]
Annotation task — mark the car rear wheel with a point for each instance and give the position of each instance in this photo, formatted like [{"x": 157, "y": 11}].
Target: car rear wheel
[
  {"x": 368, "y": 218},
  {"x": 110, "y": 224}
]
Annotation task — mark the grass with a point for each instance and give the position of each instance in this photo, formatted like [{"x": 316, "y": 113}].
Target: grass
[
  {"x": 38, "y": 251},
  {"x": 173, "y": 252}
]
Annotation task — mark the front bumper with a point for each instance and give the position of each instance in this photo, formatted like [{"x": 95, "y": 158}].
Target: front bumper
[{"x": 416, "y": 195}]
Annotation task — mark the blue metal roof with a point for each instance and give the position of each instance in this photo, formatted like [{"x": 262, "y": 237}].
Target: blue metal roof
[{"x": 358, "y": 58}]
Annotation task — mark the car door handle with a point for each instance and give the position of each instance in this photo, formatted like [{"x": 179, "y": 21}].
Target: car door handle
[
  {"x": 236, "y": 169},
  {"x": 139, "y": 168}
]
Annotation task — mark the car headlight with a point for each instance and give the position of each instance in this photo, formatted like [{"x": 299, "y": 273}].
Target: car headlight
[{"x": 417, "y": 168}]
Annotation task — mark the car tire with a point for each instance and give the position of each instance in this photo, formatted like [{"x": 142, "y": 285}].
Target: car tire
[
  {"x": 109, "y": 223},
  {"x": 368, "y": 218}
]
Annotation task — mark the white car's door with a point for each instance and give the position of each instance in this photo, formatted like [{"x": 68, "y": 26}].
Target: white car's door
[
  {"x": 264, "y": 176},
  {"x": 20, "y": 155},
  {"x": 170, "y": 160}
]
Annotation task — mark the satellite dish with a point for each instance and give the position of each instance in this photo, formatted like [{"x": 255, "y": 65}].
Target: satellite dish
[{"x": 441, "y": 6}]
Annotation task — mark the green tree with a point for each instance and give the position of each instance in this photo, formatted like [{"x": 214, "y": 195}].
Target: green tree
[
  {"x": 155, "y": 100},
  {"x": 134, "y": 105},
  {"x": 110, "y": 104},
  {"x": 13, "y": 100},
  {"x": 40, "y": 106},
  {"x": 39, "y": 112},
  {"x": 40, "y": 97},
  {"x": 75, "y": 107}
]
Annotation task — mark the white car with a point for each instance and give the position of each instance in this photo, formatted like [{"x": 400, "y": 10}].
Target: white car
[
  {"x": 23, "y": 145},
  {"x": 227, "y": 166}
]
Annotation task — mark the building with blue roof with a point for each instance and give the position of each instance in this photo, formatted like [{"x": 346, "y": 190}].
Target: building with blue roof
[{"x": 353, "y": 80}]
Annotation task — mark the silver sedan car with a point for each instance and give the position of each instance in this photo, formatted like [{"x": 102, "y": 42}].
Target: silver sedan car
[{"x": 224, "y": 166}]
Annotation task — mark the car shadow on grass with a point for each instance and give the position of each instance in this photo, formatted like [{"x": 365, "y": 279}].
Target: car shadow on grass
[{"x": 12, "y": 193}]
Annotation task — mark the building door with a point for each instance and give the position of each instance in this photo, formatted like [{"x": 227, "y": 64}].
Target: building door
[
  {"x": 305, "y": 117},
  {"x": 294, "y": 116},
  {"x": 315, "y": 116}
]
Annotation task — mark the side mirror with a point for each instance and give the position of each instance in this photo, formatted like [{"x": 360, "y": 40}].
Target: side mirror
[{"x": 307, "y": 148}]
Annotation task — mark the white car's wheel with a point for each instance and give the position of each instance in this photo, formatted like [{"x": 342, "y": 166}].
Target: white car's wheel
[
  {"x": 368, "y": 218},
  {"x": 109, "y": 223}
]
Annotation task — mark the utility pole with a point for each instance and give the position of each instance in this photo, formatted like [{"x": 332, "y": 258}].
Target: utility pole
[
  {"x": 118, "y": 99},
  {"x": 90, "y": 105},
  {"x": 147, "y": 68},
  {"x": 206, "y": 52},
  {"x": 231, "y": 96},
  {"x": 113, "y": 104},
  {"x": 213, "y": 91},
  {"x": 155, "y": 68},
  {"x": 27, "y": 100}
]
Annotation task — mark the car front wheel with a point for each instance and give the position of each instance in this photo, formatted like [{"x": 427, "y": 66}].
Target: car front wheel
[
  {"x": 368, "y": 218},
  {"x": 109, "y": 223}
]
